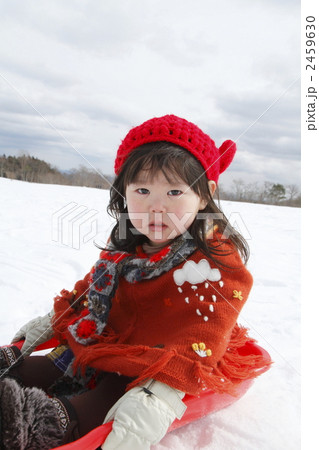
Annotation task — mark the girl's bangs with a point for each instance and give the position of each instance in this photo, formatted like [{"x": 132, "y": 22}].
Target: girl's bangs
[{"x": 173, "y": 161}]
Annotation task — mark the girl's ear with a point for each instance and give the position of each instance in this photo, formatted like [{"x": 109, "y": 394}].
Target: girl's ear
[{"x": 212, "y": 187}]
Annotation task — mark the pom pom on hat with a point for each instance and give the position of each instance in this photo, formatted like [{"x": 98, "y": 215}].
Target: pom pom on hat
[
  {"x": 187, "y": 135},
  {"x": 227, "y": 152}
]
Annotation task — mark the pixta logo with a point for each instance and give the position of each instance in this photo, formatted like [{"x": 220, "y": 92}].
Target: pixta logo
[{"x": 74, "y": 225}]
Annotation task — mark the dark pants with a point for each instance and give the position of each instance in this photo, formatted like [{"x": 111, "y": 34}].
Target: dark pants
[{"x": 88, "y": 409}]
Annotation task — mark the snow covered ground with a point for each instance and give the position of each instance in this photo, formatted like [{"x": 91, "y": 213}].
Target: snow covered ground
[{"x": 47, "y": 237}]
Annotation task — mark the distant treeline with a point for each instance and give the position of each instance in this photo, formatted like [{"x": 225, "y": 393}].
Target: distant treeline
[
  {"x": 269, "y": 193},
  {"x": 29, "y": 168}
]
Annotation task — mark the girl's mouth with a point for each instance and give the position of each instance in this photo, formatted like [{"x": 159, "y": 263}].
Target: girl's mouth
[{"x": 157, "y": 226}]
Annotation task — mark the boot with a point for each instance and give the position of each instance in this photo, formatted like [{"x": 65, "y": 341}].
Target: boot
[
  {"x": 28, "y": 418},
  {"x": 9, "y": 356}
]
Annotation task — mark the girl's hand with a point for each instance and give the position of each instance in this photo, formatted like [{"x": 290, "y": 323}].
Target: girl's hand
[
  {"x": 35, "y": 332},
  {"x": 143, "y": 415}
]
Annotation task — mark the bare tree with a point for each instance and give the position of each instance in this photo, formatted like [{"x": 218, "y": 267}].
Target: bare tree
[
  {"x": 292, "y": 191},
  {"x": 239, "y": 190}
]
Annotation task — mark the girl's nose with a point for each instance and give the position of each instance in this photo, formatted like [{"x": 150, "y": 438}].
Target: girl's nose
[{"x": 157, "y": 205}]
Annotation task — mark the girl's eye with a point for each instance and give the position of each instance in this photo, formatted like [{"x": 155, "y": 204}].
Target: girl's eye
[
  {"x": 143, "y": 191},
  {"x": 175, "y": 192}
]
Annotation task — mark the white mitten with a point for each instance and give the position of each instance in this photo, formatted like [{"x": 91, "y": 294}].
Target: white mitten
[
  {"x": 143, "y": 415},
  {"x": 35, "y": 332}
]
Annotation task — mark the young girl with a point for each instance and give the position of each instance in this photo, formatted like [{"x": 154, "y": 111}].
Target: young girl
[{"x": 155, "y": 318}]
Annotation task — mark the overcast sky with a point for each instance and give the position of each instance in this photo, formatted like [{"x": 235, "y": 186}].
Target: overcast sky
[{"x": 76, "y": 75}]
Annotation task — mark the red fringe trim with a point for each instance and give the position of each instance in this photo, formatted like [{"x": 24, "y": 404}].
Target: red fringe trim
[
  {"x": 84, "y": 357},
  {"x": 232, "y": 369},
  {"x": 235, "y": 366},
  {"x": 154, "y": 369}
]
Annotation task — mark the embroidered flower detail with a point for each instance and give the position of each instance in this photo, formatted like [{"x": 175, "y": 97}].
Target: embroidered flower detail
[
  {"x": 100, "y": 277},
  {"x": 99, "y": 304},
  {"x": 237, "y": 294},
  {"x": 201, "y": 350},
  {"x": 86, "y": 328}
]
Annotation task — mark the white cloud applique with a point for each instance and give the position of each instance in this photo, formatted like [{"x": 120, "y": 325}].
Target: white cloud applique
[{"x": 196, "y": 273}]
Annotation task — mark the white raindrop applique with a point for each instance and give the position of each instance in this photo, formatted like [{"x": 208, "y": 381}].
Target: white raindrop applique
[{"x": 195, "y": 274}]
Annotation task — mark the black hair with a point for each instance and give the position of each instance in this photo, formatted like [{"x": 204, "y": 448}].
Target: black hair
[{"x": 173, "y": 161}]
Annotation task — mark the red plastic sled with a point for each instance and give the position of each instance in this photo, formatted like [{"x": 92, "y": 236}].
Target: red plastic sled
[{"x": 197, "y": 407}]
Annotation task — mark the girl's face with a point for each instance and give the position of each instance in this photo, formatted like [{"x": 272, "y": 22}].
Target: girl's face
[{"x": 161, "y": 209}]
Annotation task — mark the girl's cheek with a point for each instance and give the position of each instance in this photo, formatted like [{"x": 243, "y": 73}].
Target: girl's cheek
[{"x": 133, "y": 205}]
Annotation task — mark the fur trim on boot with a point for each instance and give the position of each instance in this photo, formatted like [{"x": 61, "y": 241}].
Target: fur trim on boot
[{"x": 28, "y": 418}]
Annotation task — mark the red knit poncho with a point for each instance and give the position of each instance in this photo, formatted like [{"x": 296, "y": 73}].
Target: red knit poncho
[{"x": 179, "y": 328}]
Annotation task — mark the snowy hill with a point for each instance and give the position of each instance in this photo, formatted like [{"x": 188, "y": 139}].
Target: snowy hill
[{"x": 47, "y": 243}]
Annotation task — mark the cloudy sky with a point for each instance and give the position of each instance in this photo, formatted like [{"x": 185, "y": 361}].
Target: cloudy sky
[{"x": 75, "y": 76}]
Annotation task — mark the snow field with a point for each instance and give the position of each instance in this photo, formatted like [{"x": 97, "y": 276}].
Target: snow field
[{"x": 47, "y": 237}]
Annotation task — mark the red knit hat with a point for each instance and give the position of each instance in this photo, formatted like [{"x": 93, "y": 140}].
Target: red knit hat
[{"x": 183, "y": 133}]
